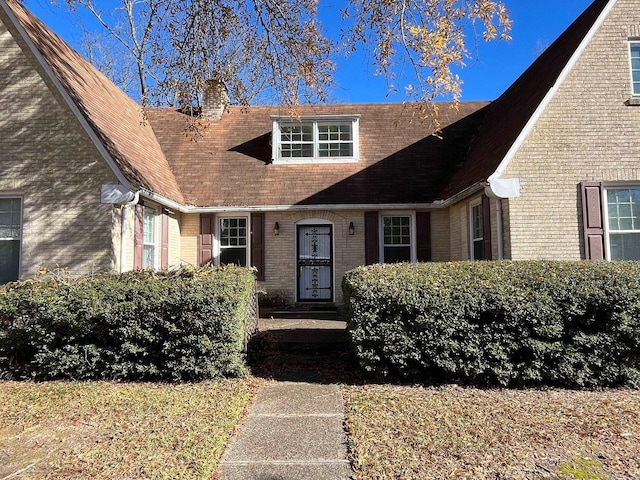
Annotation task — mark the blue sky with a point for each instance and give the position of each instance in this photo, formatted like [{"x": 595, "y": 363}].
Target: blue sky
[{"x": 536, "y": 24}]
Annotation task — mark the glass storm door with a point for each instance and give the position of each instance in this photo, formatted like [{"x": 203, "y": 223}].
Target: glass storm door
[{"x": 315, "y": 263}]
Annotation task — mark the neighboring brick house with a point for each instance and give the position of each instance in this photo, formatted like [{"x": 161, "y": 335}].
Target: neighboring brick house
[{"x": 90, "y": 184}]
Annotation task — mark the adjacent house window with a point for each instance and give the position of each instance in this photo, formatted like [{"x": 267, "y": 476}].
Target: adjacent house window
[
  {"x": 635, "y": 67},
  {"x": 623, "y": 221},
  {"x": 150, "y": 238},
  {"x": 477, "y": 234},
  {"x": 322, "y": 140},
  {"x": 233, "y": 241},
  {"x": 10, "y": 237},
  {"x": 396, "y": 238}
]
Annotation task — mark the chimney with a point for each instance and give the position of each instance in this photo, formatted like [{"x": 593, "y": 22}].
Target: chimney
[{"x": 215, "y": 100}]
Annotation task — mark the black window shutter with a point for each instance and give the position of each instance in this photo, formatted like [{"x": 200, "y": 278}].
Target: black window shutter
[
  {"x": 486, "y": 228},
  {"x": 593, "y": 228},
  {"x": 423, "y": 236},
  {"x": 257, "y": 243},
  {"x": 371, "y": 238}
]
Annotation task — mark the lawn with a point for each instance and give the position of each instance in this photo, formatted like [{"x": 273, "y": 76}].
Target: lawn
[
  {"x": 118, "y": 430},
  {"x": 454, "y": 432}
]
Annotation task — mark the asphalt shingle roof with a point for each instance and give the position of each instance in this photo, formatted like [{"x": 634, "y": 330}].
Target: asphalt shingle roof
[
  {"x": 229, "y": 162},
  {"x": 400, "y": 160},
  {"x": 115, "y": 118}
]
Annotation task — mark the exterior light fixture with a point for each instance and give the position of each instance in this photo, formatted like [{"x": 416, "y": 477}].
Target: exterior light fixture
[
  {"x": 276, "y": 229},
  {"x": 352, "y": 229}
]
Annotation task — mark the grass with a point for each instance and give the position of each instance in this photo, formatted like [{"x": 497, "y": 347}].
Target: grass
[
  {"x": 454, "y": 432},
  {"x": 118, "y": 430}
]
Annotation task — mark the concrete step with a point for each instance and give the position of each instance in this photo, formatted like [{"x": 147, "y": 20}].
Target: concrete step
[{"x": 303, "y": 341}]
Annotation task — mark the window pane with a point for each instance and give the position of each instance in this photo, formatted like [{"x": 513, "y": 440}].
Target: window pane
[
  {"x": 9, "y": 260},
  {"x": 149, "y": 226},
  {"x": 335, "y": 140},
  {"x": 10, "y": 219},
  {"x": 397, "y": 254},
  {"x": 624, "y": 246},
  {"x": 296, "y": 133},
  {"x": 296, "y": 141},
  {"x": 237, "y": 256},
  {"x": 233, "y": 241},
  {"x": 233, "y": 231},
  {"x": 478, "y": 249},
  {"x": 297, "y": 150},
  {"x": 149, "y": 256},
  {"x": 623, "y": 208},
  {"x": 396, "y": 230},
  {"x": 476, "y": 213},
  {"x": 635, "y": 66}
]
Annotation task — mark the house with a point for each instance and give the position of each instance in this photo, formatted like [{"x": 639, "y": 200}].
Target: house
[{"x": 549, "y": 170}]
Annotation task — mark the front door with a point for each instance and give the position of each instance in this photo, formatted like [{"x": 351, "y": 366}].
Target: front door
[{"x": 315, "y": 263}]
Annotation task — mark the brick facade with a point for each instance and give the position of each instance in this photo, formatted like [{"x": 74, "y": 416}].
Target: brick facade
[
  {"x": 587, "y": 132},
  {"x": 189, "y": 239},
  {"x": 48, "y": 159}
]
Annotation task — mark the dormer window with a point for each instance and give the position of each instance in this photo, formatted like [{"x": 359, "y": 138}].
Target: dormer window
[{"x": 331, "y": 139}]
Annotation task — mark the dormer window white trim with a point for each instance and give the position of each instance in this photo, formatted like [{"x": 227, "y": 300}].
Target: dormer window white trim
[{"x": 318, "y": 139}]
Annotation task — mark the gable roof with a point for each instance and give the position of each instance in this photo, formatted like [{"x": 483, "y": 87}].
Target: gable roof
[
  {"x": 508, "y": 116},
  {"x": 116, "y": 119},
  {"x": 229, "y": 166},
  {"x": 401, "y": 162}
]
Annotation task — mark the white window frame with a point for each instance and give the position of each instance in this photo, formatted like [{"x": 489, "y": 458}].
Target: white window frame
[
  {"x": 472, "y": 238},
  {"x": 155, "y": 243},
  {"x": 634, "y": 92},
  {"x": 605, "y": 217},
  {"x": 218, "y": 238},
  {"x": 19, "y": 237},
  {"x": 412, "y": 233},
  {"x": 316, "y": 122}
]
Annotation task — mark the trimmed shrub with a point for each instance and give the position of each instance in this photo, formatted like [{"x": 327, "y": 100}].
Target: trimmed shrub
[
  {"x": 143, "y": 325},
  {"x": 573, "y": 324}
]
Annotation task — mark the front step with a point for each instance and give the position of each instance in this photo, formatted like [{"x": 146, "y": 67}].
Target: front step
[{"x": 293, "y": 351}]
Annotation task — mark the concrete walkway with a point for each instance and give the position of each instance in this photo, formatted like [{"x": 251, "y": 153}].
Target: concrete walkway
[{"x": 294, "y": 430}]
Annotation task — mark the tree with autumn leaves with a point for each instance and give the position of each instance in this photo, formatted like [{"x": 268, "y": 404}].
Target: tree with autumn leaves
[{"x": 277, "y": 50}]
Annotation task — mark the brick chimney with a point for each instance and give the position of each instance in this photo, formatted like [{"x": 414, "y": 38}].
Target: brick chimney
[{"x": 215, "y": 100}]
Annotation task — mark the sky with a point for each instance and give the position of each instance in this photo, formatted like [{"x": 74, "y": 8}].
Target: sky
[{"x": 536, "y": 24}]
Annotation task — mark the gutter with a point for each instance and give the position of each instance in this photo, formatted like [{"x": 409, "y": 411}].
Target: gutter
[{"x": 290, "y": 208}]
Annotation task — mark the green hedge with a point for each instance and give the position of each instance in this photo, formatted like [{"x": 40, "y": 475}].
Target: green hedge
[
  {"x": 143, "y": 325},
  {"x": 571, "y": 324}
]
